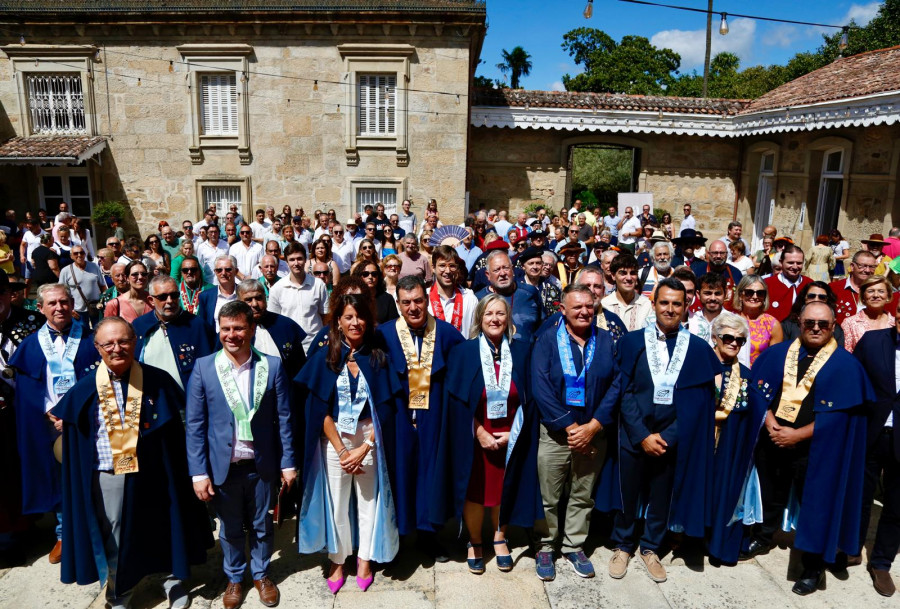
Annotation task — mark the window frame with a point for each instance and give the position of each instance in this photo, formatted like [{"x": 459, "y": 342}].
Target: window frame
[
  {"x": 356, "y": 184},
  {"x": 208, "y": 59},
  {"x": 376, "y": 59},
  {"x": 242, "y": 182}
]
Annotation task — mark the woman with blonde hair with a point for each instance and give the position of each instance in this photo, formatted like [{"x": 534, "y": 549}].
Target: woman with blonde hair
[
  {"x": 874, "y": 294},
  {"x": 751, "y": 300},
  {"x": 390, "y": 270}
]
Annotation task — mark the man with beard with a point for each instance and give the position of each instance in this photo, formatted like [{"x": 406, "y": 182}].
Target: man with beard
[
  {"x": 717, "y": 256},
  {"x": 16, "y": 324},
  {"x": 418, "y": 346},
  {"x": 875, "y": 245},
  {"x": 48, "y": 364},
  {"x": 125, "y": 478},
  {"x": 626, "y": 302},
  {"x": 168, "y": 337},
  {"x": 191, "y": 285},
  {"x": 659, "y": 268},
  {"x": 523, "y": 299},
  {"x": 666, "y": 433},
  {"x": 784, "y": 286},
  {"x": 711, "y": 293},
  {"x": 276, "y": 335},
  {"x": 448, "y": 299},
  {"x": 532, "y": 262}
]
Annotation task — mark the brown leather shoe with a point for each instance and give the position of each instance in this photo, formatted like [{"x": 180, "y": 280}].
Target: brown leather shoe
[
  {"x": 56, "y": 554},
  {"x": 268, "y": 591},
  {"x": 882, "y": 580},
  {"x": 233, "y": 596},
  {"x": 854, "y": 561}
]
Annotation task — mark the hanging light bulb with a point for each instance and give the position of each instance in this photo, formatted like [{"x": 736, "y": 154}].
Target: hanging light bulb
[
  {"x": 171, "y": 66},
  {"x": 723, "y": 25},
  {"x": 97, "y": 55},
  {"x": 845, "y": 38},
  {"x": 139, "y": 82},
  {"x": 589, "y": 9},
  {"x": 315, "y": 85},
  {"x": 22, "y": 39}
]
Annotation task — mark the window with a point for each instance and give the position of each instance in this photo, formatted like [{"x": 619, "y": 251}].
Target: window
[
  {"x": 219, "y": 104},
  {"x": 765, "y": 198},
  {"x": 56, "y": 104},
  {"x": 831, "y": 190},
  {"x": 377, "y": 104},
  {"x": 374, "y": 196},
  {"x": 222, "y": 197}
]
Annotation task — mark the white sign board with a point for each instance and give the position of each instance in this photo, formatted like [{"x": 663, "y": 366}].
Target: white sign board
[{"x": 636, "y": 201}]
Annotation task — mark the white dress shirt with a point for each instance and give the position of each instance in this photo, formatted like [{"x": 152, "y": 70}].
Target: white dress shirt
[{"x": 304, "y": 303}]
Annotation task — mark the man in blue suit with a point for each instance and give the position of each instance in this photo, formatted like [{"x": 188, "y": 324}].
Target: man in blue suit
[
  {"x": 211, "y": 301},
  {"x": 239, "y": 444},
  {"x": 879, "y": 352}
]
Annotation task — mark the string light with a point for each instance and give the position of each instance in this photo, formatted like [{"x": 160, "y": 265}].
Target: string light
[
  {"x": 139, "y": 82},
  {"x": 589, "y": 9},
  {"x": 315, "y": 85},
  {"x": 723, "y": 26},
  {"x": 171, "y": 66},
  {"x": 757, "y": 17},
  {"x": 845, "y": 38}
]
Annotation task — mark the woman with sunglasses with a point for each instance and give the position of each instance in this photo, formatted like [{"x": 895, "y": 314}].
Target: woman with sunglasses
[
  {"x": 385, "y": 306},
  {"x": 367, "y": 252},
  {"x": 424, "y": 245},
  {"x": 389, "y": 243},
  {"x": 751, "y": 299},
  {"x": 158, "y": 256},
  {"x": 320, "y": 251},
  {"x": 390, "y": 269},
  {"x": 874, "y": 294},
  {"x": 186, "y": 249},
  {"x": 817, "y": 291},
  {"x": 738, "y": 421},
  {"x": 136, "y": 301}
]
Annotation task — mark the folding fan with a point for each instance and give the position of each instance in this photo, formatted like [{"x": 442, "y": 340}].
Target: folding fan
[{"x": 448, "y": 235}]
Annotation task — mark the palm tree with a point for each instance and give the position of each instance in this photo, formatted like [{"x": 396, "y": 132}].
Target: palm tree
[{"x": 518, "y": 63}]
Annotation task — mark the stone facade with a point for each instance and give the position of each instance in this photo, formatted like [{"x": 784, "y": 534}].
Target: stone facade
[{"x": 294, "y": 148}]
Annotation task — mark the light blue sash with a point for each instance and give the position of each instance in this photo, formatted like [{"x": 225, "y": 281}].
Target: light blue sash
[
  {"x": 574, "y": 383},
  {"x": 349, "y": 410},
  {"x": 62, "y": 367}
]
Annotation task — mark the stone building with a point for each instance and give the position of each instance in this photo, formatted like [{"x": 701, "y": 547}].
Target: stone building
[
  {"x": 817, "y": 153},
  {"x": 175, "y": 106}
]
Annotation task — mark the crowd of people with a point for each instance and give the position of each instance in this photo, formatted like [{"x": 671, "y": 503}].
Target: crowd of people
[{"x": 386, "y": 377}]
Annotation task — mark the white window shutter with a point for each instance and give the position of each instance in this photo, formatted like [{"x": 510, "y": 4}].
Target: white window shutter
[
  {"x": 377, "y": 104},
  {"x": 219, "y": 100}
]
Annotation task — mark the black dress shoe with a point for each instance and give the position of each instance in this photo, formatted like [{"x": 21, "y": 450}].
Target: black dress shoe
[
  {"x": 809, "y": 583},
  {"x": 755, "y": 549}
]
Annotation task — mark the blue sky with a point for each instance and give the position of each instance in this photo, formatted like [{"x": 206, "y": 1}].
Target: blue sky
[{"x": 538, "y": 26}]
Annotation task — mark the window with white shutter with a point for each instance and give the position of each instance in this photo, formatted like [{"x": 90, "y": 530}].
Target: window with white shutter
[
  {"x": 219, "y": 104},
  {"x": 377, "y": 104},
  {"x": 56, "y": 103},
  {"x": 374, "y": 196}
]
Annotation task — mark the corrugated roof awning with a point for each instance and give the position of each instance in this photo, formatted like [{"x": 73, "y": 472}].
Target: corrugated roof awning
[{"x": 51, "y": 150}]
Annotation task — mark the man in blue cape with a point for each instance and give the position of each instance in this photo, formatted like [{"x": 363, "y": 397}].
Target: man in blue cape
[
  {"x": 811, "y": 453},
  {"x": 168, "y": 337},
  {"x": 666, "y": 434},
  {"x": 276, "y": 334},
  {"x": 418, "y": 346},
  {"x": 48, "y": 363},
  {"x": 523, "y": 299},
  {"x": 128, "y": 506},
  {"x": 212, "y": 300},
  {"x": 575, "y": 386}
]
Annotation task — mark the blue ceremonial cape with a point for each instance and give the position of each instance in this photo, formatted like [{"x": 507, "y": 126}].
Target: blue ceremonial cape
[
  {"x": 692, "y": 434},
  {"x": 521, "y": 500},
  {"x": 830, "y": 507},
  {"x": 206, "y": 311},
  {"x": 319, "y": 342},
  {"x": 416, "y": 445},
  {"x": 41, "y": 487},
  {"x": 315, "y": 524},
  {"x": 734, "y": 457},
  {"x": 164, "y": 528},
  {"x": 187, "y": 336},
  {"x": 288, "y": 337},
  {"x": 616, "y": 327},
  {"x": 527, "y": 310}
]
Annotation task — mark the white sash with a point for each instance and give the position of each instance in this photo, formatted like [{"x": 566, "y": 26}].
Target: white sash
[
  {"x": 349, "y": 410},
  {"x": 497, "y": 391},
  {"x": 664, "y": 370},
  {"x": 243, "y": 413},
  {"x": 62, "y": 367}
]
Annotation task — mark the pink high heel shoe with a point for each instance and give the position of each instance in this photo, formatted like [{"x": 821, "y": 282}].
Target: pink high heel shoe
[
  {"x": 364, "y": 583},
  {"x": 334, "y": 586}
]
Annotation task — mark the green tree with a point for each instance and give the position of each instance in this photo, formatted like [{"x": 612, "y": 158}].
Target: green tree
[
  {"x": 517, "y": 62},
  {"x": 483, "y": 81},
  {"x": 604, "y": 171},
  {"x": 632, "y": 66}
]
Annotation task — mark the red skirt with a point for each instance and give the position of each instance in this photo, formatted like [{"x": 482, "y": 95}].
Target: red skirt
[{"x": 488, "y": 466}]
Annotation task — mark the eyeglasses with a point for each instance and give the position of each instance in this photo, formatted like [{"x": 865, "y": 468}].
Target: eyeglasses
[
  {"x": 392, "y": 267},
  {"x": 138, "y": 274},
  {"x": 730, "y": 338},
  {"x": 78, "y": 253},
  {"x": 121, "y": 344},
  {"x": 229, "y": 269},
  {"x": 369, "y": 274},
  {"x": 865, "y": 267},
  {"x": 189, "y": 269},
  {"x": 337, "y": 232},
  {"x": 167, "y": 296},
  {"x": 245, "y": 232},
  {"x": 370, "y": 228},
  {"x": 811, "y": 324},
  {"x": 112, "y": 244},
  {"x": 748, "y": 293},
  {"x": 320, "y": 273},
  {"x": 813, "y": 296}
]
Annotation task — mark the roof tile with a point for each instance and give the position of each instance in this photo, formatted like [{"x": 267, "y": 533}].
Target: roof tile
[{"x": 54, "y": 147}]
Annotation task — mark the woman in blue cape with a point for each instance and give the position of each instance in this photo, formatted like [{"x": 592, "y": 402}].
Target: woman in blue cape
[
  {"x": 487, "y": 457},
  {"x": 350, "y": 417},
  {"x": 738, "y": 421}
]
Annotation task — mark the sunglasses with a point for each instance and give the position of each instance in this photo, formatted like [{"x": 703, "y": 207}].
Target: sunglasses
[
  {"x": 112, "y": 244},
  {"x": 188, "y": 227},
  {"x": 139, "y": 274},
  {"x": 167, "y": 296},
  {"x": 369, "y": 274},
  {"x": 320, "y": 273},
  {"x": 229, "y": 269},
  {"x": 751, "y": 293},
  {"x": 730, "y": 338},
  {"x": 338, "y": 232},
  {"x": 811, "y": 324},
  {"x": 189, "y": 269},
  {"x": 822, "y": 297},
  {"x": 392, "y": 267},
  {"x": 78, "y": 253}
]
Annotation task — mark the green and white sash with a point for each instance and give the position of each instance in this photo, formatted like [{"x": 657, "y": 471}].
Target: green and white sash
[{"x": 242, "y": 413}]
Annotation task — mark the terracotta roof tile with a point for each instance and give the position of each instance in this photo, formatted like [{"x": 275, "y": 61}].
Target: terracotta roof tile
[
  {"x": 606, "y": 101},
  {"x": 49, "y": 147},
  {"x": 847, "y": 77}
]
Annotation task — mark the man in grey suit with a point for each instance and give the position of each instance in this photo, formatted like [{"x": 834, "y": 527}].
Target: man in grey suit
[{"x": 239, "y": 445}]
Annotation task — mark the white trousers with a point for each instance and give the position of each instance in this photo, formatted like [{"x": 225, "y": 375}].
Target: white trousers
[{"x": 342, "y": 485}]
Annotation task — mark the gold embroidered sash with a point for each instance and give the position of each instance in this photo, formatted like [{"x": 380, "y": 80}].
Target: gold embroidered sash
[
  {"x": 419, "y": 367},
  {"x": 729, "y": 398},
  {"x": 792, "y": 392},
  {"x": 123, "y": 433}
]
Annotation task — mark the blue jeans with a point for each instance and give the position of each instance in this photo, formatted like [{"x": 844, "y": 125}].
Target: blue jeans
[{"x": 244, "y": 497}]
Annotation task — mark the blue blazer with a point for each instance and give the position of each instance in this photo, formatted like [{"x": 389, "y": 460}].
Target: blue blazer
[
  {"x": 210, "y": 424},
  {"x": 876, "y": 351},
  {"x": 206, "y": 311}
]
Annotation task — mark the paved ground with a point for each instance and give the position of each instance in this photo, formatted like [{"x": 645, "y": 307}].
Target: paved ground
[{"x": 693, "y": 583}]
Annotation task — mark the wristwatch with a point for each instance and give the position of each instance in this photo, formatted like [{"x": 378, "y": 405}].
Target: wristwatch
[{"x": 370, "y": 443}]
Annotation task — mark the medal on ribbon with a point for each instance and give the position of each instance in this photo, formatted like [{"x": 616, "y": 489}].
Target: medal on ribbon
[
  {"x": 418, "y": 366},
  {"x": 793, "y": 392},
  {"x": 122, "y": 425}
]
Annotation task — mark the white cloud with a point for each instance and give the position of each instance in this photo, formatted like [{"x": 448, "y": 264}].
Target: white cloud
[
  {"x": 862, "y": 13},
  {"x": 691, "y": 44},
  {"x": 557, "y": 86},
  {"x": 782, "y": 35}
]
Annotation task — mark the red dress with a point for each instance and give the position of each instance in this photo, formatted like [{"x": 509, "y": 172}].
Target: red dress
[{"x": 488, "y": 466}]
